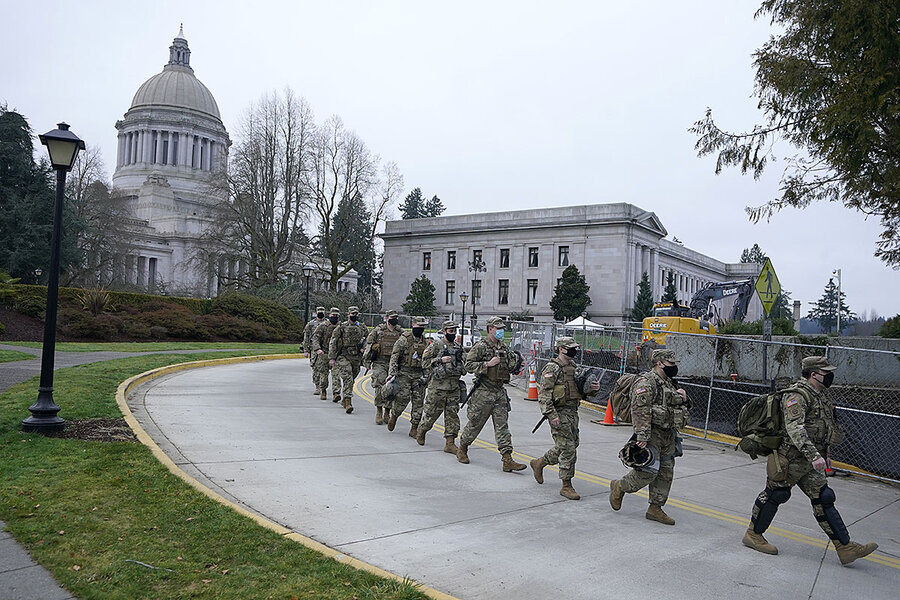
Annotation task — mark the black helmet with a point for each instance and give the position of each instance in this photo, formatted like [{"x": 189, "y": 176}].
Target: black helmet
[
  {"x": 585, "y": 376},
  {"x": 642, "y": 459}
]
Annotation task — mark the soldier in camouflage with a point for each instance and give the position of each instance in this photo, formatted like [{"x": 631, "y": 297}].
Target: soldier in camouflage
[
  {"x": 406, "y": 367},
  {"x": 443, "y": 360},
  {"x": 377, "y": 353},
  {"x": 559, "y": 398},
  {"x": 658, "y": 410},
  {"x": 345, "y": 356},
  {"x": 492, "y": 362},
  {"x": 307, "y": 344},
  {"x": 321, "y": 338},
  {"x": 810, "y": 429}
]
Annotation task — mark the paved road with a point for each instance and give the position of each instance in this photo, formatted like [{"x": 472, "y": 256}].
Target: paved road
[{"x": 255, "y": 433}]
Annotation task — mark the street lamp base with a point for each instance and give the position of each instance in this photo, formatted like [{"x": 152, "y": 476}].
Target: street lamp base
[
  {"x": 43, "y": 424},
  {"x": 44, "y": 414}
]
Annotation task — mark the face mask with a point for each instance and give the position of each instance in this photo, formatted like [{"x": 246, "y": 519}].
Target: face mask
[
  {"x": 571, "y": 352},
  {"x": 333, "y": 318},
  {"x": 320, "y": 315},
  {"x": 418, "y": 331},
  {"x": 670, "y": 371},
  {"x": 498, "y": 333},
  {"x": 393, "y": 321},
  {"x": 353, "y": 318},
  {"x": 828, "y": 379},
  {"x": 450, "y": 337}
]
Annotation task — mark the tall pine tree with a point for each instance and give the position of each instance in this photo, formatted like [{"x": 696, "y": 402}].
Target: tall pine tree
[
  {"x": 570, "y": 298},
  {"x": 643, "y": 304},
  {"x": 670, "y": 293},
  {"x": 825, "y": 311},
  {"x": 420, "y": 301}
]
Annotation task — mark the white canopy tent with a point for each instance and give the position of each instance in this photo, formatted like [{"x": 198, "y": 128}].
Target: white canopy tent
[{"x": 582, "y": 323}]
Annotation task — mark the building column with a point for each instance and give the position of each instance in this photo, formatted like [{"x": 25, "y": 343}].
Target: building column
[
  {"x": 212, "y": 155},
  {"x": 654, "y": 268},
  {"x": 141, "y": 272},
  {"x": 645, "y": 262},
  {"x": 159, "y": 147},
  {"x": 184, "y": 146}
]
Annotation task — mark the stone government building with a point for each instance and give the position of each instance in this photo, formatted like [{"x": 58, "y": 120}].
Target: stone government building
[
  {"x": 526, "y": 251},
  {"x": 170, "y": 143}
]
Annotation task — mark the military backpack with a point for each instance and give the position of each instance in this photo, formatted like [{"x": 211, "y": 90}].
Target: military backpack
[
  {"x": 760, "y": 422},
  {"x": 620, "y": 397}
]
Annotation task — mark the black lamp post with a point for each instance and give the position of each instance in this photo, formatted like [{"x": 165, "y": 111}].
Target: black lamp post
[
  {"x": 307, "y": 272},
  {"x": 63, "y": 147},
  {"x": 463, "y": 296},
  {"x": 476, "y": 265}
]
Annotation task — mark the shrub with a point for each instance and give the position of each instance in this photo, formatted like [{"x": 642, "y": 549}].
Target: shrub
[
  {"x": 80, "y": 324},
  {"x": 2, "y": 327},
  {"x": 891, "y": 328},
  {"x": 31, "y": 305},
  {"x": 135, "y": 328},
  {"x": 158, "y": 332},
  {"x": 277, "y": 316},
  {"x": 235, "y": 328},
  {"x": 779, "y": 327},
  {"x": 178, "y": 321},
  {"x": 94, "y": 301}
]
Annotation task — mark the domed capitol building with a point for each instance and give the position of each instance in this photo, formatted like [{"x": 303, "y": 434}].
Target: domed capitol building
[{"x": 171, "y": 140}]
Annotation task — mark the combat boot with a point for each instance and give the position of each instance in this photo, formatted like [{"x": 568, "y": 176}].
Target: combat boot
[
  {"x": 347, "y": 404},
  {"x": 336, "y": 398},
  {"x": 850, "y": 552},
  {"x": 379, "y": 420},
  {"x": 462, "y": 454},
  {"x": 420, "y": 436},
  {"x": 758, "y": 542},
  {"x": 317, "y": 392},
  {"x": 616, "y": 494},
  {"x": 450, "y": 445},
  {"x": 324, "y": 395},
  {"x": 568, "y": 491},
  {"x": 392, "y": 422},
  {"x": 510, "y": 465},
  {"x": 656, "y": 513},
  {"x": 537, "y": 465},
  {"x": 414, "y": 431}
]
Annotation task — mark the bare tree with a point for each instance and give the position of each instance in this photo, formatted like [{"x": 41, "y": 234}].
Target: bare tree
[
  {"x": 262, "y": 219},
  {"x": 343, "y": 169}
]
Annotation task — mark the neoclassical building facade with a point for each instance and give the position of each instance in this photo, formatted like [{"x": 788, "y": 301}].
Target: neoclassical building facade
[{"x": 525, "y": 252}]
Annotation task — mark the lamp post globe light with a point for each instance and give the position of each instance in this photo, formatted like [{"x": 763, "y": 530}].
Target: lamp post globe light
[
  {"x": 307, "y": 272},
  {"x": 63, "y": 146},
  {"x": 476, "y": 265}
]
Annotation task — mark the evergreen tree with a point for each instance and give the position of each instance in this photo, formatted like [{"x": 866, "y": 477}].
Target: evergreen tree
[
  {"x": 891, "y": 328},
  {"x": 670, "y": 293},
  {"x": 643, "y": 304},
  {"x": 753, "y": 255},
  {"x": 570, "y": 298},
  {"x": 420, "y": 301},
  {"x": 783, "y": 308},
  {"x": 413, "y": 206},
  {"x": 825, "y": 311},
  {"x": 433, "y": 208}
]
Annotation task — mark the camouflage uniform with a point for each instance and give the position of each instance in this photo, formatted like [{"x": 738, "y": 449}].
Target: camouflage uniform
[
  {"x": 559, "y": 398},
  {"x": 488, "y": 398},
  {"x": 810, "y": 429},
  {"x": 657, "y": 412},
  {"x": 321, "y": 338},
  {"x": 345, "y": 349},
  {"x": 379, "y": 344},
  {"x": 307, "y": 344},
  {"x": 406, "y": 366},
  {"x": 443, "y": 393}
]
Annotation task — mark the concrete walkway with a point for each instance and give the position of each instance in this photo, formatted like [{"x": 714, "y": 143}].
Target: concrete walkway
[{"x": 256, "y": 434}]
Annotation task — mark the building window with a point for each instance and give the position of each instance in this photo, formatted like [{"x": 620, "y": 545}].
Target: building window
[
  {"x": 450, "y": 295},
  {"x": 503, "y": 296},
  {"x": 532, "y": 257},
  {"x": 563, "y": 256},
  {"x": 426, "y": 261},
  {"x": 476, "y": 292},
  {"x": 451, "y": 260},
  {"x": 558, "y": 282},
  {"x": 504, "y": 258},
  {"x": 532, "y": 291},
  {"x": 476, "y": 256}
]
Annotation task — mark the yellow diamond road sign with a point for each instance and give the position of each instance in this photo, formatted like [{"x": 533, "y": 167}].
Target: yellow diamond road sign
[{"x": 767, "y": 286}]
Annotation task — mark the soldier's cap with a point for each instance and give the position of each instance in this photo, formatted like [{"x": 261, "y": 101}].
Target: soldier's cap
[
  {"x": 353, "y": 310},
  {"x": 335, "y": 310},
  {"x": 391, "y": 313},
  {"x": 663, "y": 355},
  {"x": 816, "y": 363},
  {"x": 449, "y": 325},
  {"x": 420, "y": 321},
  {"x": 494, "y": 322},
  {"x": 320, "y": 309},
  {"x": 566, "y": 342}
]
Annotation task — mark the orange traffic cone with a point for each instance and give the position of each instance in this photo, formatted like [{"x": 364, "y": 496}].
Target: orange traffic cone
[
  {"x": 608, "y": 417},
  {"x": 532, "y": 387}
]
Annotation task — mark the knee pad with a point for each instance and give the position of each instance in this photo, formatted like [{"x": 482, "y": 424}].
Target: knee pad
[
  {"x": 766, "y": 506},
  {"x": 828, "y": 516},
  {"x": 826, "y": 496},
  {"x": 779, "y": 495}
]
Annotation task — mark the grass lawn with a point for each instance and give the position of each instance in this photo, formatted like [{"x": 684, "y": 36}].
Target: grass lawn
[
  {"x": 12, "y": 355},
  {"x": 86, "y": 509},
  {"x": 160, "y": 346}
]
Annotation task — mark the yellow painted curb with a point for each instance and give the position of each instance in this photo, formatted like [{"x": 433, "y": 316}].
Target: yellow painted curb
[{"x": 121, "y": 399}]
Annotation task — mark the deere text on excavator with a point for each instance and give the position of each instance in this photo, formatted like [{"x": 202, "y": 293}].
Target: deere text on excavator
[{"x": 703, "y": 315}]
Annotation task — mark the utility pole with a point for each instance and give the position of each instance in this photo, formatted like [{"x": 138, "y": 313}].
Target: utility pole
[{"x": 838, "y": 273}]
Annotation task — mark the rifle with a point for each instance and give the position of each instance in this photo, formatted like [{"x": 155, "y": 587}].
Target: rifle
[
  {"x": 539, "y": 423},
  {"x": 472, "y": 391}
]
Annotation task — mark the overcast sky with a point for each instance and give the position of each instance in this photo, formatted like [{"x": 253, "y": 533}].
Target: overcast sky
[{"x": 490, "y": 105}]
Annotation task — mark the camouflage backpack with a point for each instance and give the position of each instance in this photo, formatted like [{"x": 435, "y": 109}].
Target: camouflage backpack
[
  {"x": 620, "y": 397},
  {"x": 761, "y": 423}
]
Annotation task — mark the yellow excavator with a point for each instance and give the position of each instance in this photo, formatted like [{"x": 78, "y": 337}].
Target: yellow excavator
[{"x": 702, "y": 316}]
